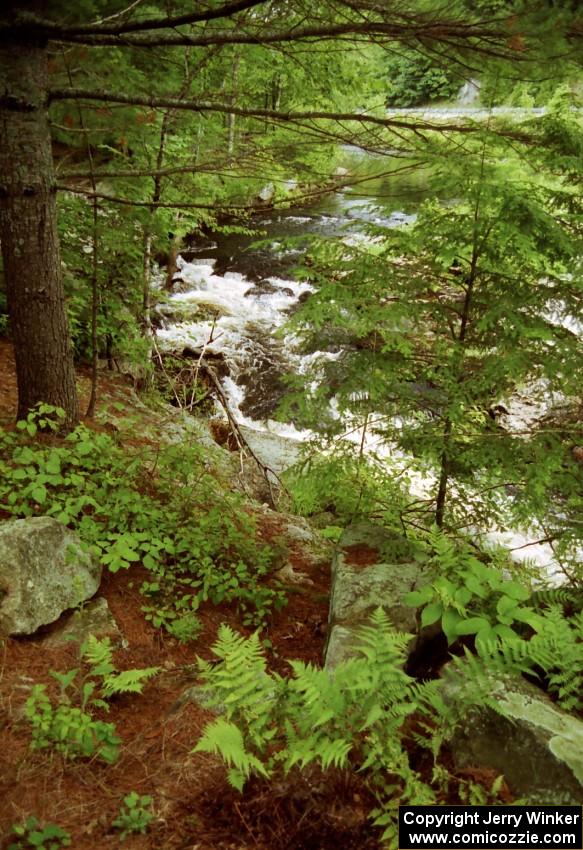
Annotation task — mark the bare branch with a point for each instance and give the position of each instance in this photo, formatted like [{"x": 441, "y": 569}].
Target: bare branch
[
  {"x": 412, "y": 29},
  {"x": 310, "y": 194}
]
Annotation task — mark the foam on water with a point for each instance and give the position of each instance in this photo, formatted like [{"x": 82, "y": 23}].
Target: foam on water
[{"x": 243, "y": 331}]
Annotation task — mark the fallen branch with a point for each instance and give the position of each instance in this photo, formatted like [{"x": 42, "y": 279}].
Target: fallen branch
[{"x": 242, "y": 443}]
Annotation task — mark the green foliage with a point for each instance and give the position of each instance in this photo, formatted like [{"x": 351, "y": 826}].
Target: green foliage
[
  {"x": 554, "y": 653},
  {"x": 99, "y": 655},
  {"x": 32, "y": 834},
  {"x": 134, "y": 815},
  {"x": 198, "y": 158},
  {"x": 472, "y": 794},
  {"x": 71, "y": 729},
  {"x": 470, "y": 597},
  {"x": 119, "y": 245},
  {"x": 447, "y": 317},
  {"x": 163, "y": 509},
  {"x": 184, "y": 627},
  {"x": 515, "y": 631},
  {"x": 349, "y": 485},
  {"x": 415, "y": 79},
  {"x": 351, "y": 717}
]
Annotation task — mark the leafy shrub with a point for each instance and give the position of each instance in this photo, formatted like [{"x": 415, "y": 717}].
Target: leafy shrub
[
  {"x": 516, "y": 631},
  {"x": 134, "y": 815},
  {"x": 415, "y": 79},
  {"x": 32, "y": 834},
  {"x": 554, "y": 654},
  {"x": 468, "y": 597},
  {"x": 165, "y": 510},
  {"x": 349, "y": 486},
  {"x": 71, "y": 729}
]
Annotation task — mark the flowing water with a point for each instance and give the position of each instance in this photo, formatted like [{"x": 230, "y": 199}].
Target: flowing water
[{"x": 234, "y": 294}]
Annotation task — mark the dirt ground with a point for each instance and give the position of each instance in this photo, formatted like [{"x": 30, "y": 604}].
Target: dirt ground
[{"x": 194, "y": 806}]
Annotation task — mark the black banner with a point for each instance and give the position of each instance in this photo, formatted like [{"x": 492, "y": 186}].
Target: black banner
[{"x": 454, "y": 827}]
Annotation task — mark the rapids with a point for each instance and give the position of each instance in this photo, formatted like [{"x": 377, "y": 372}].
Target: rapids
[{"x": 235, "y": 295}]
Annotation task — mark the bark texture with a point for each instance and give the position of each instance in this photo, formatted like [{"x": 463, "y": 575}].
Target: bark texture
[{"x": 28, "y": 232}]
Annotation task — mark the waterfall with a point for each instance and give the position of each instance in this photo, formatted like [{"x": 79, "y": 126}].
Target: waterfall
[{"x": 469, "y": 93}]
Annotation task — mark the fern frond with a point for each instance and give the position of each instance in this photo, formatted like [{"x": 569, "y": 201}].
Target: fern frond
[
  {"x": 225, "y": 739},
  {"x": 562, "y": 596},
  {"x": 99, "y": 654},
  {"x": 127, "y": 682}
]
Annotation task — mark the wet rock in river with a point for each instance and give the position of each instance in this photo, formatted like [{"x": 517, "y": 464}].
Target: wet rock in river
[{"x": 262, "y": 287}]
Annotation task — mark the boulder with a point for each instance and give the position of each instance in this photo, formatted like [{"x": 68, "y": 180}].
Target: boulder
[
  {"x": 537, "y": 747},
  {"x": 371, "y": 567},
  {"x": 43, "y": 572},
  {"x": 94, "y": 618},
  {"x": 276, "y": 452},
  {"x": 305, "y": 543}
]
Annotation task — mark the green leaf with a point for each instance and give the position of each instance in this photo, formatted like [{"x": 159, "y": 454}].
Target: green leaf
[
  {"x": 53, "y": 466},
  {"x": 504, "y": 632},
  {"x": 506, "y": 605},
  {"x": 39, "y": 494},
  {"x": 530, "y": 617},
  {"x": 431, "y": 613},
  {"x": 516, "y": 591},
  {"x": 462, "y": 596},
  {"x": 417, "y": 598},
  {"x": 472, "y": 626},
  {"x": 449, "y": 623},
  {"x": 476, "y": 587}
]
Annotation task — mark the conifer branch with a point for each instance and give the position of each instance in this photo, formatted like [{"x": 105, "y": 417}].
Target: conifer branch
[{"x": 168, "y": 102}]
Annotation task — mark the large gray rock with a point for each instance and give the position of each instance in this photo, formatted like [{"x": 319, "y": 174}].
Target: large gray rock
[
  {"x": 537, "y": 747},
  {"x": 43, "y": 572},
  {"x": 371, "y": 567},
  {"x": 275, "y": 452}
]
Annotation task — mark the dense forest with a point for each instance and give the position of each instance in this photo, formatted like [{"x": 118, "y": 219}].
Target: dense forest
[{"x": 291, "y": 443}]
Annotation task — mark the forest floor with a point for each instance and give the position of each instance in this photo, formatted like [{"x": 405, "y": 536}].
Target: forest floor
[{"x": 194, "y": 806}]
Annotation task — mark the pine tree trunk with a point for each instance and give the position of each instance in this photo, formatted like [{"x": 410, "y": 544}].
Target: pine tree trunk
[{"x": 28, "y": 232}]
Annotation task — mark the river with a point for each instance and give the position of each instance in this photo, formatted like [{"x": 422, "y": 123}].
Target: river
[{"x": 233, "y": 295}]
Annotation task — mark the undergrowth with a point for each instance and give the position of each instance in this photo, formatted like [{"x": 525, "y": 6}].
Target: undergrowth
[
  {"x": 68, "y": 724},
  {"x": 361, "y": 716},
  {"x": 160, "y": 506}
]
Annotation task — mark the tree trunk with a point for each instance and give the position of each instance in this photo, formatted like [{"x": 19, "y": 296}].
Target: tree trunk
[
  {"x": 28, "y": 232},
  {"x": 443, "y": 476}
]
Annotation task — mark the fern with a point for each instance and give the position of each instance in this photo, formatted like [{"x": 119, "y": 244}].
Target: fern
[
  {"x": 99, "y": 654},
  {"x": 127, "y": 682},
  {"x": 563, "y": 596},
  {"x": 225, "y": 739},
  {"x": 554, "y": 653},
  {"x": 352, "y": 716},
  {"x": 240, "y": 686}
]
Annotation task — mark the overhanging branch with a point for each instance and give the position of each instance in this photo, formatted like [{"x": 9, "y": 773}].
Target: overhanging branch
[
  {"x": 269, "y": 114},
  {"x": 482, "y": 39},
  {"x": 52, "y": 29}
]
